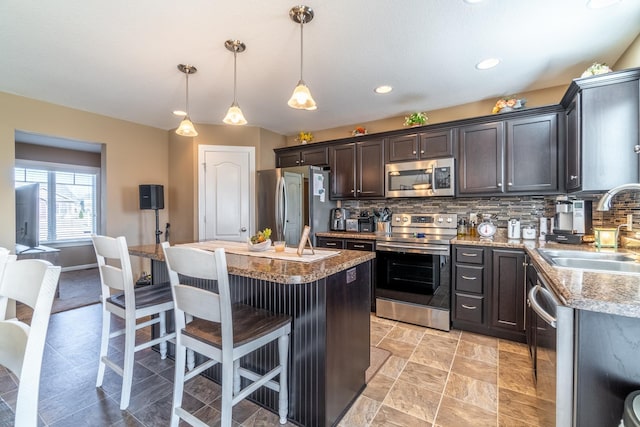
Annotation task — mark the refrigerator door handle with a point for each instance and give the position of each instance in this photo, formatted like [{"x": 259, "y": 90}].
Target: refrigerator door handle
[
  {"x": 285, "y": 198},
  {"x": 280, "y": 201}
]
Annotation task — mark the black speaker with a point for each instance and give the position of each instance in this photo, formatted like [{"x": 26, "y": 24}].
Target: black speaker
[{"x": 151, "y": 196}]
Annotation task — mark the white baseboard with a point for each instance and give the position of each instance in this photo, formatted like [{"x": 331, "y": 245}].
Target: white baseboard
[{"x": 79, "y": 267}]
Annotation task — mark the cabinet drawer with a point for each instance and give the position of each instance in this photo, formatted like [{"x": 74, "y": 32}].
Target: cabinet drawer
[
  {"x": 469, "y": 278},
  {"x": 323, "y": 242},
  {"x": 469, "y": 308},
  {"x": 470, "y": 255},
  {"x": 359, "y": 245}
]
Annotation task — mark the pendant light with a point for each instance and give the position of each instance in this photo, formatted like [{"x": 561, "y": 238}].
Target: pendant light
[
  {"x": 234, "y": 114},
  {"x": 301, "y": 98},
  {"x": 186, "y": 127}
]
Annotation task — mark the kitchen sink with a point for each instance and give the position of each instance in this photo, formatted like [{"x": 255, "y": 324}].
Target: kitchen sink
[{"x": 594, "y": 261}]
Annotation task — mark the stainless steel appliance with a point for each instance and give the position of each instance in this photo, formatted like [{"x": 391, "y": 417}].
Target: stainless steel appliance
[
  {"x": 513, "y": 230},
  {"x": 339, "y": 219},
  {"x": 423, "y": 178},
  {"x": 413, "y": 263},
  {"x": 552, "y": 327},
  {"x": 572, "y": 221},
  {"x": 351, "y": 224},
  {"x": 290, "y": 198}
]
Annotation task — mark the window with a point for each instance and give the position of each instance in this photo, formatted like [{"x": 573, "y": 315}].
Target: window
[{"x": 68, "y": 199}]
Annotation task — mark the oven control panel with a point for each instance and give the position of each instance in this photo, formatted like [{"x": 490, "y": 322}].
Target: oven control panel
[{"x": 424, "y": 220}]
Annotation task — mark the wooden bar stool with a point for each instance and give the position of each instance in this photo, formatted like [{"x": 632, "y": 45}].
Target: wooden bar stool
[
  {"x": 121, "y": 298},
  {"x": 207, "y": 323},
  {"x": 32, "y": 282}
]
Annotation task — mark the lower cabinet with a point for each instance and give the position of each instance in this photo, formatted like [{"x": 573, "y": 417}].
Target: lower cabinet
[
  {"x": 353, "y": 245},
  {"x": 489, "y": 291}
]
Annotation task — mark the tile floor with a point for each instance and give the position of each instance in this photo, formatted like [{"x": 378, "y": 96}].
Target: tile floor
[{"x": 433, "y": 378}]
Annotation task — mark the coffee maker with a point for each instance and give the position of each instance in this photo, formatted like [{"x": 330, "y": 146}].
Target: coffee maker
[
  {"x": 338, "y": 219},
  {"x": 572, "y": 221}
]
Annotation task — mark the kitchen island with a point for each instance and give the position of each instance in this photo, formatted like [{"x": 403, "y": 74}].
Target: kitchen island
[{"x": 329, "y": 301}]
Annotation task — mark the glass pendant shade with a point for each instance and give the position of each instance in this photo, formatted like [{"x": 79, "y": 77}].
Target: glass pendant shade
[
  {"x": 234, "y": 116},
  {"x": 186, "y": 128},
  {"x": 301, "y": 98}
]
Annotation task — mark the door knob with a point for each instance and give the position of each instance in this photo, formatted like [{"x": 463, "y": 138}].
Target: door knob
[{"x": 243, "y": 229}]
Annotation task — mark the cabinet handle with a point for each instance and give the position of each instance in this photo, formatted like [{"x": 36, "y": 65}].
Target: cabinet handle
[
  {"x": 572, "y": 177},
  {"x": 466, "y": 254},
  {"x": 510, "y": 183},
  {"x": 499, "y": 184},
  {"x": 353, "y": 191},
  {"x": 330, "y": 244},
  {"x": 301, "y": 161},
  {"x": 414, "y": 152},
  {"x": 359, "y": 246},
  {"x": 421, "y": 151},
  {"x": 469, "y": 278},
  {"x": 469, "y": 307},
  {"x": 297, "y": 162}
]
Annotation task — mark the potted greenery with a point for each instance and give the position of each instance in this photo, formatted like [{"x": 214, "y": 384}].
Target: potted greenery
[{"x": 416, "y": 119}]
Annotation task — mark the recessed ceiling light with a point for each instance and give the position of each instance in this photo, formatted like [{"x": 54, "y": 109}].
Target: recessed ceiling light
[
  {"x": 599, "y": 4},
  {"x": 179, "y": 113},
  {"x": 383, "y": 89},
  {"x": 485, "y": 64},
  {"x": 472, "y": 1}
]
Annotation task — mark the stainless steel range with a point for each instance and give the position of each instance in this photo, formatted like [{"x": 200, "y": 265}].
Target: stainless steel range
[{"x": 413, "y": 278}]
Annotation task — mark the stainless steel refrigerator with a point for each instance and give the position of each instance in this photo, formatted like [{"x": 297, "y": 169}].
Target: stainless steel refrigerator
[{"x": 290, "y": 198}]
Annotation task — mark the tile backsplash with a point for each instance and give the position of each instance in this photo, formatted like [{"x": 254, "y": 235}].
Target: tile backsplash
[{"x": 528, "y": 208}]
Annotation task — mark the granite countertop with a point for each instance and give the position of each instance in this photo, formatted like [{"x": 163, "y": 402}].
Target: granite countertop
[
  {"x": 348, "y": 235},
  {"x": 605, "y": 292},
  {"x": 274, "y": 270}
]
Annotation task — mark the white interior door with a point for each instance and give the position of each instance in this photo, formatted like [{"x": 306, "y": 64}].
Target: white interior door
[
  {"x": 293, "y": 219},
  {"x": 226, "y": 192}
]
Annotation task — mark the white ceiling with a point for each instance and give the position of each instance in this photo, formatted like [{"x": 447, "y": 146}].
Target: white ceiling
[{"x": 118, "y": 58}]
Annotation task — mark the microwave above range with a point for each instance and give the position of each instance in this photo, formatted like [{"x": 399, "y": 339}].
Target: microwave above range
[{"x": 425, "y": 178}]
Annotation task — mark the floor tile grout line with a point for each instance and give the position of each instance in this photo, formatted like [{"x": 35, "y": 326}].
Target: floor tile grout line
[{"x": 444, "y": 388}]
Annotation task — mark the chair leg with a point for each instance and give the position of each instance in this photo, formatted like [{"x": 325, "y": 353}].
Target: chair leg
[
  {"x": 178, "y": 382},
  {"x": 227, "y": 394},
  {"x": 191, "y": 359},
  {"x": 129, "y": 360},
  {"x": 163, "y": 332},
  {"x": 236, "y": 377},
  {"x": 104, "y": 344},
  {"x": 283, "y": 394}
]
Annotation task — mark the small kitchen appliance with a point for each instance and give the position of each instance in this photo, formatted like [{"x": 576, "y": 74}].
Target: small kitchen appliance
[
  {"x": 366, "y": 224},
  {"x": 572, "y": 221},
  {"x": 351, "y": 224},
  {"x": 338, "y": 219},
  {"x": 513, "y": 230}
]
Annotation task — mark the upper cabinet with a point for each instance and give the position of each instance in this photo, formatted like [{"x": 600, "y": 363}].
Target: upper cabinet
[
  {"x": 418, "y": 146},
  {"x": 306, "y": 156},
  {"x": 357, "y": 170},
  {"x": 602, "y": 117},
  {"x": 518, "y": 155}
]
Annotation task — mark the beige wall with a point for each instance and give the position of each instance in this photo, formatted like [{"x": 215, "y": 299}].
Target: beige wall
[
  {"x": 183, "y": 168},
  {"x": 631, "y": 57},
  {"x": 133, "y": 154}
]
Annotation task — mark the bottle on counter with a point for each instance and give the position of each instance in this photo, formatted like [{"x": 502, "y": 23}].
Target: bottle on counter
[
  {"x": 473, "y": 231},
  {"x": 462, "y": 227}
]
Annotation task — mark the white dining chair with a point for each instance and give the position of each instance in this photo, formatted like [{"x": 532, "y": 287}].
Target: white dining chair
[
  {"x": 121, "y": 298},
  {"x": 209, "y": 324},
  {"x": 31, "y": 282}
]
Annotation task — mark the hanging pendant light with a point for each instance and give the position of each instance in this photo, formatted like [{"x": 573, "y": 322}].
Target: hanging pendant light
[
  {"x": 301, "y": 98},
  {"x": 186, "y": 127},
  {"x": 234, "y": 114}
]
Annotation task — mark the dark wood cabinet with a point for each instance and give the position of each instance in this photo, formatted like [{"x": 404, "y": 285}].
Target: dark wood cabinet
[
  {"x": 353, "y": 245},
  {"x": 480, "y": 159},
  {"x": 517, "y": 156},
  {"x": 357, "y": 170},
  {"x": 308, "y": 156},
  {"x": 418, "y": 146},
  {"x": 489, "y": 291},
  {"x": 508, "y": 291},
  {"x": 602, "y": 118},
  {"x": 532, "y": 154}
]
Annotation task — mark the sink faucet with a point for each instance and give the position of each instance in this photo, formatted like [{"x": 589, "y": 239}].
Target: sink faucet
[{"x": 605, "y": 202}]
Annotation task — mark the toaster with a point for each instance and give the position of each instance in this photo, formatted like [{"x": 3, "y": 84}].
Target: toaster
[{"x": 352, "y": 224}]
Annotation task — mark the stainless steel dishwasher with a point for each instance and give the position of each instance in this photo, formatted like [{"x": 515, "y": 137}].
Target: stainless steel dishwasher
[{"x": 552, "y": 324}]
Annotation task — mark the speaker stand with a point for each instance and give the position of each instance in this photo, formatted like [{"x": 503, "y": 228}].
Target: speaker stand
[{"x": 158, "y": 232}]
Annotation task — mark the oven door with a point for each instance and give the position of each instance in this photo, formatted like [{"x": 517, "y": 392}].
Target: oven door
[{"x": 418, "y": 278}]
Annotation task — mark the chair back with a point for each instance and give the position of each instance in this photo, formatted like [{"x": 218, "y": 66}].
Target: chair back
[
  {"x": 192, "y": 301},
  {"x": 32, "y": 282},
  {"x": 114, "y": 265}
]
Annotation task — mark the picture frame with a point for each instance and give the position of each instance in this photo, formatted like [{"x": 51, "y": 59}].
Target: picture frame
[{"x": 304, "y": 238}]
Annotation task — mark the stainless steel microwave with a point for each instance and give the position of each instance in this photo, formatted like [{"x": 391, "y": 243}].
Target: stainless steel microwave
[{"x": 424, "y": 178}]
